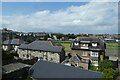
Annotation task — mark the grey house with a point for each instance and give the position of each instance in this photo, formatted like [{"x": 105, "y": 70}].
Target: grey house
[
  {"x": 44, "y": 69},
  {"x": 89, "y": 48},
  {"x": 44, "y": 50},
  {"x": 12, "y": 44}
]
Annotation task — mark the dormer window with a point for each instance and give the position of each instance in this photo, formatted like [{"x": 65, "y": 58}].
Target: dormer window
[
  {"x": 76, "y": 43},
  {"x": 84, "y": 45},
  {"x": 94, "y": 44}
]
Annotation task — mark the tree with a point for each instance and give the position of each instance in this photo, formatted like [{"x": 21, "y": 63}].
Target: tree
[
  {"x": 109, "y": 74},
  {"x": 107, "y": 68},
  {"x": 71, "y": 36},
  {"x": 59, "y": 36},
  {"x": 105, "y": 65}
]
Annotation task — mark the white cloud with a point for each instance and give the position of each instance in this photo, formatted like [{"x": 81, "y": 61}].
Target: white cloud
[
  {"x": 45, "y": 0},
  {"x": 94, "y": 17},
  {"x": 59, "y": 0}
]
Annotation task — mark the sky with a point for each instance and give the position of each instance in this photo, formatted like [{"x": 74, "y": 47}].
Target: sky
[{"x": 63, "y": 17}]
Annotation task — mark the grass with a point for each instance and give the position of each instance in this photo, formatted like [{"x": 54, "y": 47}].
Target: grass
[
  {"x": 112, "y": 46},
  {"x": 66, "y": 44}
]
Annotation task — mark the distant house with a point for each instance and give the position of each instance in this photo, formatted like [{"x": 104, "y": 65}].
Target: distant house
[
  {"x": 89, "y": 48},
  {"x": 111, "y": 40},
  {"x": 15, "y": 71},
  {"x": 44, "y": 69},
  {"x": 40, "y": 35},
  {"x": 12, "y": 44},
  {"x": 44, "y": 50}
]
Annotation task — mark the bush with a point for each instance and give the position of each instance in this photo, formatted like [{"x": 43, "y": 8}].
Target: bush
[
  {"x": 105, "y": 65},
  {"x": 110, "y": 74}
]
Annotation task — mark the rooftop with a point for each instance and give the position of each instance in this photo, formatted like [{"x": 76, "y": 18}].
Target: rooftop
[
  {"x": 42, "y": 46},
  {"x": 44, "y": 69},
  {"x": 13, "y": 42},
  {"x": 13, "y": 67}
]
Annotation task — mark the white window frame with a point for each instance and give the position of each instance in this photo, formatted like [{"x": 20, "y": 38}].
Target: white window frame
[
  {"x": 95, "y": 54},
  {"x": 94, "y": 44},
  {"x": 84, "y": 54},
  {"x": 76, "y": 43}
]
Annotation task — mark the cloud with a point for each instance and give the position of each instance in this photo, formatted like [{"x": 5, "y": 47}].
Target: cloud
[
  {"x": 59, "y": 0},
  {"x": 94, "y": 17}
]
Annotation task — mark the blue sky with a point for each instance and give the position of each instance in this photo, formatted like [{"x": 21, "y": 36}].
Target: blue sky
[
  {"x": 63, "y": 17},
  {"x": 18, "y": 8}
]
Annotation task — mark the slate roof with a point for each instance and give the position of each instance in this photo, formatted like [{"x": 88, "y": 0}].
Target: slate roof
[
  {"x": 112, "y": 52},
  {"x": 72, "y": 59},
  {"x": 13, "y": 42},
  {"x": 44, "y": 69},
  {"x": 101, "y": 43},
  {"x": 13, "y": 67},
  {"x": 94, "y": 39},
  {"x": 42, "y": 46}
]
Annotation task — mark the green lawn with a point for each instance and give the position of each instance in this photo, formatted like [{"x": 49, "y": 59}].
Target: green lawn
[
  {"x": 112, "y": 46},
  {"x": 66, "y": 44}
]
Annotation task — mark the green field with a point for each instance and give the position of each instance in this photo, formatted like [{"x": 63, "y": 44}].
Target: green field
[
  {"x": 112, "y": 46},
  {"x": 66, "y": 44}
]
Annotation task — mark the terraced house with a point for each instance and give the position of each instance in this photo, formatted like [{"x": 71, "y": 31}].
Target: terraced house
[
  {"x": 44, "y": 50},
  {"x": 89, "y": 49}
]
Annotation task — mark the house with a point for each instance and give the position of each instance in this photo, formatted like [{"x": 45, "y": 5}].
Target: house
[
  {"x": 89, "y": 48},
  {"x": 113, "y": 56},
  {"x": 72, "y": 61},
  {"x": 41, "y": 35},
  {"x": 76, "y": 61},
  {"x": 15, "y": 71},
  {"x": 45, "y": 50},
  {"x": 7, "y": 34},
  {"x": 44, "y": 69},
  {"x": 12, "y": 44}
]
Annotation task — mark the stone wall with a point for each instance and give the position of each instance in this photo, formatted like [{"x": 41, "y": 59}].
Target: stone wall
[
  {"x": 54, "y": 57},
  {"x": 30, "y": 54}
]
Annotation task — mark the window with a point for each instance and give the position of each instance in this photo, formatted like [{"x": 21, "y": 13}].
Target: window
[
  {"x": 84, "y": 45},
  {"x": 94, "y": 44},
  {"x": 94, "y": 54},
  {"x": 84, "y": 54},
  {"x": 76, "y": 44}
]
